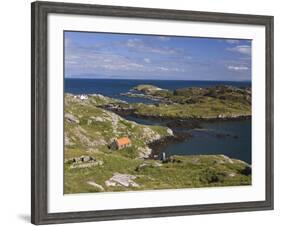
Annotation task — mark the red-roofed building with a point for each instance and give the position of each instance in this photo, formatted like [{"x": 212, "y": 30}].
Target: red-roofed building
[{"x": 120, "y": 143}]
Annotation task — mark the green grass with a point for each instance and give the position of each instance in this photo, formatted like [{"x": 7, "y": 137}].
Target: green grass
[
  {"x": 76, "y": 179},
  {"x": 210, "y": 108},
  {"x": 191, "y": 172}
]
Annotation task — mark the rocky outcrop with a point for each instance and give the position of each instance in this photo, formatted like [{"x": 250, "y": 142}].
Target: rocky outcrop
[
  {"x": 94, "y": 184},
  {"x": 125, "y": 180},
  {"x": 144, "y": 152},
  {"x": 147, "y": 165},
  {"x": 71, "y": 118},
  {"x": 67, "y": 141},
  {"x": 83, "y": 162},
  {"x": 84, "y": 138}
]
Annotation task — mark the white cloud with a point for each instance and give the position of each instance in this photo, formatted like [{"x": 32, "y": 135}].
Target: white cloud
[
  {"x": 141, "y": 46},
  {"x": 80, "y": 60},
  {"x": 169, "y": 69},
  {"x": 147, "y": 60},
  {"x": 133, "y": 42},
  {"x": 164, "y": 38},
  {"x": 237, "y": 68},
  {"x": 232, "y": 41},
  {"x": 243, "y": 49},
  {"x": 163, "y": 68}
]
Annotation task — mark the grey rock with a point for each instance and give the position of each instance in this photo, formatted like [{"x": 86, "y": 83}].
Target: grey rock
[
  {"x": 92, "y": 183},
  {"x": 147, "y": 165},
  {"x": 125, "y": 180},
  {"x": 232, "y": 174},
  {"x": 71, "y": 118}
]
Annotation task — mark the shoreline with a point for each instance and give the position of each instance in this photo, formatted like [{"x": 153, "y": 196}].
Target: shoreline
[
  {"x": 202, "y": 119},
  {"x": 131, "y": 112},
  {"x": 158, "y": 145}
]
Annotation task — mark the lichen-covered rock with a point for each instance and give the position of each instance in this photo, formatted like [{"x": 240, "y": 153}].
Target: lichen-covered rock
[
  {"x": 98, "y": 186},
  {"x": 83, "y": 162},
  {"x": 144, "y": 152},
  {"x": 125, "y": 180},
  {"x": 67, "y": 141},
  {"x": 71, "y": 118},
  {"x": 147, "y": 165},
  {"x": 170, "y": 132}
]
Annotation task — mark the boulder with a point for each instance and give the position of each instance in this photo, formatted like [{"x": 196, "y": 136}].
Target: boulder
[
  {"x": 170, "y": 132},
  {"x": 147, "y": 165},
  {"x": 83, "y": 162},
  {"x": 97, "y": 119},
  {"x": 144, "y": 152},
  {"x": 231, "y": 174},
  {"x": 92, "y": 183},
  {"x": 86, "y": 158},
  {"x": 86, "y": 164},
  {"x": 71, "y": 118},
  {"x": 67, "y": 140},
  {"x": 110, "y": 183},
  {"x": 125, "y": 180}
]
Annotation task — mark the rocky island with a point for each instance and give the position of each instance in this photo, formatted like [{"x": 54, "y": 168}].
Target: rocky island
[{"x": 224, "y": 102}]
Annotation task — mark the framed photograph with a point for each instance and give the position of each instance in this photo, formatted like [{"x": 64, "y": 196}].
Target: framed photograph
[{"x": 140, "y": 112}]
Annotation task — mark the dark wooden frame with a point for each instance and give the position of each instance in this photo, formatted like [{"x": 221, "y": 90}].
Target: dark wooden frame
[{"x": 39, "y": 12}]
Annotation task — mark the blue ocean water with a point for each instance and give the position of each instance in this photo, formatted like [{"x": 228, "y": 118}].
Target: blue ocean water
[
  {"x": 114, "y": 87},
  {"x": 207, "y": 143}
]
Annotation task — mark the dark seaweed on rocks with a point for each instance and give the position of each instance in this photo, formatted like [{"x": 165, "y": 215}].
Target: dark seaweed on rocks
[
  {"x": 158, "y": 145},
  {"x": 186, "y": 124}
]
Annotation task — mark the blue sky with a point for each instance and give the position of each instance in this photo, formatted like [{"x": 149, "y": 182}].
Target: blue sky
[{"x": 126, "y": 56}]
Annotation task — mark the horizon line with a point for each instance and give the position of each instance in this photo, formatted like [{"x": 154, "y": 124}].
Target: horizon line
[{"x": 159, "y": 79}]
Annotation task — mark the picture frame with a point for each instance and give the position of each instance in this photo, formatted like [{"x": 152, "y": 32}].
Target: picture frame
[{"x": 40, "y": 105}]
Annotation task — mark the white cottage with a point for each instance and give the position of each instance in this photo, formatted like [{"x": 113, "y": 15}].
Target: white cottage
[{"x": 83, "y": 97}]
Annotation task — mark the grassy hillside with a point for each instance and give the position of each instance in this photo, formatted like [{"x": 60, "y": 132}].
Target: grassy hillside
[
  {"x": 91, "y": 166},
  {"x": 91, "y": 128},
  {"x": 185, "y": 172}
]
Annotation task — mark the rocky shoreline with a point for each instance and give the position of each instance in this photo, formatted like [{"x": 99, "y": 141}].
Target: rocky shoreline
[
  {"x": 202, "y": 119},
  {"x": 191, "y": 119},
  {"x": 158, "y": 145},
  {"x": 131, "y": 112}
]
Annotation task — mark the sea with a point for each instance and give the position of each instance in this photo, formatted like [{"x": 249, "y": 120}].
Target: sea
[
  {"x": 115, "y": 87},
  {"x": 237, "y": 145}
]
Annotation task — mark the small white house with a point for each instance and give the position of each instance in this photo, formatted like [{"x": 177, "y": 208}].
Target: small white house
[{"x": 83, "y": 97}]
